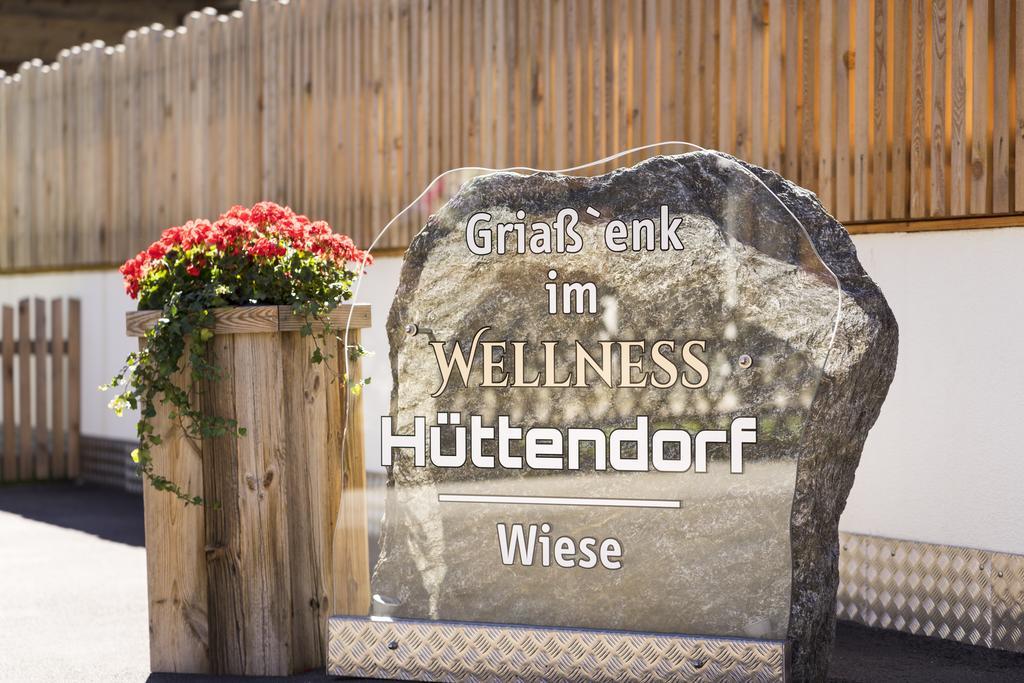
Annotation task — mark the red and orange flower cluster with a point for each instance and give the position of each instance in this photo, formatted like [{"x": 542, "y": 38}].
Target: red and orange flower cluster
[{"x": 254, "y": 236}]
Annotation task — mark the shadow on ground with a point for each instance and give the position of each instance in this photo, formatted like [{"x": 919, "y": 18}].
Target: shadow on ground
[{"x": 103, "y": 512}]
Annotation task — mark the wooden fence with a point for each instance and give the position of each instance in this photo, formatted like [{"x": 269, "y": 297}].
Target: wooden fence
[
  {"x": 891, "y": 111},
  {"x": 41, "y": 355}
]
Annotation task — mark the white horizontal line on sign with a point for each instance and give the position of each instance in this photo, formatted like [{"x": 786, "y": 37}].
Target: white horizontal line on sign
[{"x": 553, "y": 500}]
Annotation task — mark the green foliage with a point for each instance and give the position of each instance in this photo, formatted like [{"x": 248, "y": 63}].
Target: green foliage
[{"x": 186, "y": 283}]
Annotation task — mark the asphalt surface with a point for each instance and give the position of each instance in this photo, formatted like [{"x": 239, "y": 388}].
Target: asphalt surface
[{"x": 73, "y": 604}]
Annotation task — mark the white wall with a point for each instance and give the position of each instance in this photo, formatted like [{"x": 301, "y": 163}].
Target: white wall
[
  {"x": 104, "y": 344},
  {"x": 944, "y": 463}
]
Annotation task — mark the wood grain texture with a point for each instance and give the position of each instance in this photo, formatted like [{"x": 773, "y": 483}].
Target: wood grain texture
[
  {"x": 352, "y": 315},
  {"x": 348, "y": 110},
  {"x": 808, "y": 84},
  {"x": 918, "y": 130},
  {"x": 880, "y": 142},
  {"x": 937, "y": 160},
  {"x": 222, "y": 488},
  {"x": 933, "y": 224},
  {"x": 900, "y": 199},
  {"x": 980, "y": 141},
  {"x": 351, "y": 548},
  {"x": 1001, "y": 135},
  {"x": 958, "y": 105},
  {"x": 826, "y": 125},
  {"x": 726, "y": 119},
  {"x": 758, "y": 69},
  {"x": 265, "y": 543},
  {"x": 41, "y": 452},
  {"x": 263, "y": 549},
  {"x": 10, "y": 456},
  {"x": 58, "y": 379},
  {"x": 861, "y": 98},
  {"x": 1018, "y": 145},
  {"x": 176, "y": 563},
  {"x": 776, "y": 86},
  {"x": 252, "y": 319},
  {"x": 742, "y": 79},
  {"x": 25, "y": 463},
  {"x": 310, "y": 454},
  {"x": 74, "y": 385},
  {"x": 842, "y": 94}
]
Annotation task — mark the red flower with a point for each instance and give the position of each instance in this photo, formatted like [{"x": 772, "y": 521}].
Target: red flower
[{"x": 264, "y": 231}]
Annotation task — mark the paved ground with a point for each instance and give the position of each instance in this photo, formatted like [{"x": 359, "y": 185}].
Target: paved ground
[{"x": 73, "y": 604}]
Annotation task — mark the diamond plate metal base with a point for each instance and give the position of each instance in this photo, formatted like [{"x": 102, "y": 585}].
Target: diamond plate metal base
[
  {"x": 963, "y": 594},
  {"x": 408, "y": 649}
]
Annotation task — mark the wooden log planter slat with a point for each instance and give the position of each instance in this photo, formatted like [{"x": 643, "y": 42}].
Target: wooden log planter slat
[{"x": 246, "y": 587}]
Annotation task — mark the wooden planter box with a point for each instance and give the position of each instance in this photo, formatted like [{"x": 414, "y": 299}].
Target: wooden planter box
[{"x": 246, "y": 587}]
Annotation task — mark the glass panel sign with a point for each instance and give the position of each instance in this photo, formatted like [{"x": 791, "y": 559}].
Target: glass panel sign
[{"x": 597, "y": 397}]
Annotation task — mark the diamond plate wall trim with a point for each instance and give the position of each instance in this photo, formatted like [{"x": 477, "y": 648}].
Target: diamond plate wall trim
[
  {"x": 453, "y": 651},
  {"x": 1008, "y": 602},
  {"x": 971, "y": 596}
]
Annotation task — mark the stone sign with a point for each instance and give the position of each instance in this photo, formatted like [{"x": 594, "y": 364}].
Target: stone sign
[{"x": 630, "y": 401}]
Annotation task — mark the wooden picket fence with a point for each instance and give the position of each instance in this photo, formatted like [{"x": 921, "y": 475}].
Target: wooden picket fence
[
  {"x": 893, "y": 111},
  {"x": 42, "y": 357}
]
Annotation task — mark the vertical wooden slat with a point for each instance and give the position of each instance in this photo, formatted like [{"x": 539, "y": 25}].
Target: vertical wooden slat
[
  {"x": 25, "y": 462},
  {"x": 21, "y": 193},
  {"x": 726, "y": 81},
  {"x": 958, "y": 130},
  {"x": 842, "y": 89},
  {"x": 31, "y": 132},
  {"x": 980, "y": 110},
  {"x": 263, "y": 537},
  {"x": 350, "y": 549},
  {"x": 918, "y": 131},
  {"x": 10, "y": 458},
  {"x": 74, "y": 385},
  {"x": 577, "y": 18},
  {"x": 132, "y": 133},
  {"x": 880, "y": 143},
  {"x": 826, "y": 123},
  {"x": 861, "y": 95},
  {"x": 742, "y": 79},
  {"x": 41, "y": 456},
  {"x": 1001, "y": 110},
  {"x": 177, "y": 552},
  {"x": 900, "y": 203},
  {"x": 775, "y": 85},
  {"x": 57, "y": 383},
  {"x": 791, "y": 160},
  {"x": 808, "y": 69},
  {"x": 623, "y": 129},
  {"x": 1018, "y": 146},
  {"x": 757, "y": 81},
  {"x": 709, "y": 68},
  {"x": 559, "y": 87},
  {"x": 673, "y": 68},
  {"x": 221, "y": 465},
  {"x": 268, "y": 94},
  {"x": 5, "y": 165},
  {"x": 307, "y": 480},
  {"x": 937, "y": 165}
]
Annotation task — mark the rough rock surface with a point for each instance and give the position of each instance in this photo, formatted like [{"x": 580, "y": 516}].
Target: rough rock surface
[
  {"x": 856, "y": 379},
  {"x": 750, "y": 556}
]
